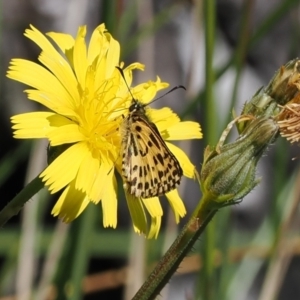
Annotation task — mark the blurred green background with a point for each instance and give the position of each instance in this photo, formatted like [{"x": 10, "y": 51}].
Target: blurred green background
[{"x": 222, "y": 51}]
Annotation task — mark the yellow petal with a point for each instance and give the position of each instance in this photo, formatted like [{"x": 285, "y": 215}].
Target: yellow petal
[
  {"x": 146, "y": 92},
  {"x": 53, "y": 101},
  {"x": 98, "y": 44},
  {"x": 113, "y": 55},
  {"x": 128, "y": 72},
  {"x": 154, "y": 228},
  {"x": 183, "y": 131},
  {"x": 66, "y": 134},
  {"x": 185, "y": 163},
  {"x": 87, "y": 173},
  {"x": 71, "y": 204},
  {"x": 31, "y": 125},
  {"x": 41, "y": 79},
  {"x": 79, "y": 57},
  {"x": 137, "y": 213},
  {"x": 55, "y": 62},
  {"x": 163, "y": 118},
  {"x": 110, "y": 204},
  {"x": 103, "y": 179},
  {"x": 176, "y": 204},
  {"x": 153, "y": 206},
  {"x": 63, "y": 41},
  {"x": 64, "y": 168}
]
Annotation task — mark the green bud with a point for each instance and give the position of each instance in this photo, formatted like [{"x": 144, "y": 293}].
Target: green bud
[{"x": 228, "y": 175}]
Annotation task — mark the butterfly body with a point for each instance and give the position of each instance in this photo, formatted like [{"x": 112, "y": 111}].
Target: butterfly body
[{"x": 149, "y": 168}]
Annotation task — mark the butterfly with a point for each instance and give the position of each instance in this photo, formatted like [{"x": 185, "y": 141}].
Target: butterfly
[{"x": 149, "y": 168}]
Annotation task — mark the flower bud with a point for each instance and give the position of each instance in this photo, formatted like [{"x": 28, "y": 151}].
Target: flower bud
[
  {"x": 282, "y": 88},
  {"x": 229, "y": 175}
]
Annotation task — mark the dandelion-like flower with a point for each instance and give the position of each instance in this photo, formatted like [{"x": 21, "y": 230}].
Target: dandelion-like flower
[{"x": 88, "y": 100}]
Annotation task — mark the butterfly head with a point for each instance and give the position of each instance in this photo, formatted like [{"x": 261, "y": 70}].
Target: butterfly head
[{"x": 136, "y": 106}]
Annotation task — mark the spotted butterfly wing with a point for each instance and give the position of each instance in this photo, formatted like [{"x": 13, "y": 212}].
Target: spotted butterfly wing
[{"x": 149, "y": 168}]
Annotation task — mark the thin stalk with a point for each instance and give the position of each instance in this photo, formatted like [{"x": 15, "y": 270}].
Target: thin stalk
[
  {"x": 82, "y": 253},
  {"x": 110, "y": 15},
  {"x": 166, "y": 267},
  {"x": 10, "y": 161},
  {"x": 207, "y": 276},
  {"x": 242, "y": 47},
  {"x": 17, "y": 203},
  {"x": 224, "y": 248},
  {"x": 210, "y": 113}
]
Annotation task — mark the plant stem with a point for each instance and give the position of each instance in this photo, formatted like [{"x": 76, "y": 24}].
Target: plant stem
[
  {"x": 210, "y": 110},
  {"x": 169, "y": 263},
  {"x": 16, "y": 204}
]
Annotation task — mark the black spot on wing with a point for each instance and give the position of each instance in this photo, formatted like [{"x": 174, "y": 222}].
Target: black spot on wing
[
  {"x": 154, "y": 140},
  {"x": 135, "y": 149},
  {"x": 175, "y": 173},
  {"x": 145, "y": 171},
  {"x": 144, "y": 153},
  {"x": 160, "y": 174},
  {"x": 141, "y": 172},
  {"x": 133, "y": 181},
  {"x": 138, "y": 128},
  {"x": 160, "y": 158}
]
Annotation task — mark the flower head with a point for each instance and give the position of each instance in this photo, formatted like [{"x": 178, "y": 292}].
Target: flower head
[{"x": 87, "y": 101}]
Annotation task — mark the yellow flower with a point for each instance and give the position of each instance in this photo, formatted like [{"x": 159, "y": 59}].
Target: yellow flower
[{"x": 87, "y": 100}]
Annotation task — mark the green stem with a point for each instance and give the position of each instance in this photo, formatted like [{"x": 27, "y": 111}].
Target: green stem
[
  {"x": 206, "y": 279},
  {"x": 109, "y": 13},
  {"x": 241, "y": 50},
  {"x": 169, "y": 263},
  {"x": 82, "y": 232},
  {"x": 209, "y": 12},
  {"x": 17, "y": 203},
  {"x": 211, "y": 135}
]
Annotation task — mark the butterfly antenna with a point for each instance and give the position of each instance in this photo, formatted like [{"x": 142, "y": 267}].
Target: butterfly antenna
[
  {"x": 122, "y": 74},
  {"x": 168, "y": 92}
]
